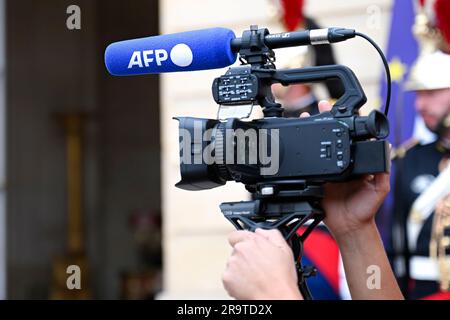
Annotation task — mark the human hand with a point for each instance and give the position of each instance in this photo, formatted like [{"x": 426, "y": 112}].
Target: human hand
[{"x": 261, "y": 267}]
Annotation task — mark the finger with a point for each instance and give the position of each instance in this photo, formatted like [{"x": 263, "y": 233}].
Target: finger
[
  {"x": 239, "y": 236},
  {"x": 273, "y": 236},
  {"x": 278, "y": 90},
  {"x": 382, "y": 182},
  {"x": 304, "y": 115},
  {"x": 324, "y": 105}
]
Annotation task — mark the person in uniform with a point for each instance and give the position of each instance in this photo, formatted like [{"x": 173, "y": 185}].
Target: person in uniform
[{"x": 421, "y": 211}]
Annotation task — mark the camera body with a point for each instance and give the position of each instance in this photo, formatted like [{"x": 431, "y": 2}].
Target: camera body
[{"x": 332, "y": 146}]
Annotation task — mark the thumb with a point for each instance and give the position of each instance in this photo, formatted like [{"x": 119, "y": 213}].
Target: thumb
[
  {"x": 324, "y": 105},
  {"x": 382, "y": 183}
]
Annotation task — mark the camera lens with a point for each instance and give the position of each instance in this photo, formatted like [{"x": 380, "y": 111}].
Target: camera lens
[{"x": 202, "y": 151}]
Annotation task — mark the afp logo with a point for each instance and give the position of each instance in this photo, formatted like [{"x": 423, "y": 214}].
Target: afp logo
[{"x": 180, "y": 55}]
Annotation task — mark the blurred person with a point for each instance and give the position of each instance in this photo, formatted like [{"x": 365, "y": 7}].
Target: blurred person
[
  {"x": 422, "y": 185},
  {"x": 421, "y": 211}
]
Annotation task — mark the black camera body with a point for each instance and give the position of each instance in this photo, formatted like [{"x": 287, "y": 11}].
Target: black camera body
[{"x": 331, "y": 146}]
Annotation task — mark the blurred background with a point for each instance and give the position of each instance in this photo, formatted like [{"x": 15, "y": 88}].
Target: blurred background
[{"x": 88, "y": 161}]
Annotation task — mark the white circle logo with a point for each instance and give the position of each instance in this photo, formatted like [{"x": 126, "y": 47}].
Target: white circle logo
[{"x": 181, "y": 55}]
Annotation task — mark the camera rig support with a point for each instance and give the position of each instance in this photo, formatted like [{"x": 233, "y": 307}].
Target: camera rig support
[{"x": 294, "y": 205}]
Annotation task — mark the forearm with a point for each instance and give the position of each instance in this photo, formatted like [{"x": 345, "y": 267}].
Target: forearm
[{"x": 363, "y": 256}]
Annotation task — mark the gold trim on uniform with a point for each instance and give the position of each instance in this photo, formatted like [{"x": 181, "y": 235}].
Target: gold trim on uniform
[{"x": 440, "y": 242}]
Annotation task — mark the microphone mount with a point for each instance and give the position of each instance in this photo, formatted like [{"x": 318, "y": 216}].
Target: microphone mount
[
  {"x": 253, "y": 49},
  {"x": 294, "y": 38}
]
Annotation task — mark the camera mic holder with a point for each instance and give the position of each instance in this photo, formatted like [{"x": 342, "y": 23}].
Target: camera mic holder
[{"x": 251, "y": 82}]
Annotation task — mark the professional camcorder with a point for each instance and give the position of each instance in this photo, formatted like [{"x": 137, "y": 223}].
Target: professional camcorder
[
  {"x": 283, "y": 162},
  {"x": 280, "y": 160},
  {"x": 331, "y": 146}
]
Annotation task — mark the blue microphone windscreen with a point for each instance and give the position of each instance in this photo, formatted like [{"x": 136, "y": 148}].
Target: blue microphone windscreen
[{"x": 185, "y": 51}]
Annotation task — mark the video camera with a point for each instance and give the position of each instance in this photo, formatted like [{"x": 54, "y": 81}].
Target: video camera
[
  {"x": 338, "y": 145},
  {"x": 283, "y": 162}
]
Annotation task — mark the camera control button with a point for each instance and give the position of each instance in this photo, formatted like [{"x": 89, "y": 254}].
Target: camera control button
[
  {"x": 267, "y": 191},
  {"x": 328, "y": 152}
]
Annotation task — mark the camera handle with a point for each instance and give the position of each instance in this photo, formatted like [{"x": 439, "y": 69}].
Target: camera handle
[
  {"x": 352, "y": 99},
  {"x": 289, "y": 207}
]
